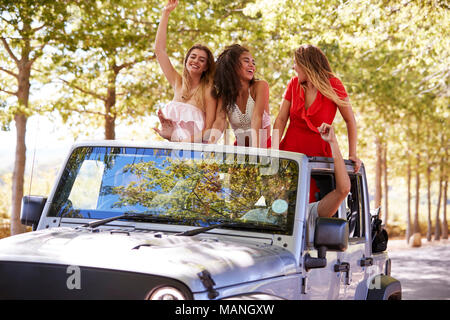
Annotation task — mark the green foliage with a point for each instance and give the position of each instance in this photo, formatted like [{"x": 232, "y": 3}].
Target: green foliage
[{"x": 26, "y": 28}]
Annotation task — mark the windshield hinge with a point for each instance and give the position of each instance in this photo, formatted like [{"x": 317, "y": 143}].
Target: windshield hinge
[
  {"x": 343, "y": 267},
  {"x": 208, "y": 283}
]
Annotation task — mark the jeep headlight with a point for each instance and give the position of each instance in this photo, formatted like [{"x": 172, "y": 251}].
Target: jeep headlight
[{"x": 166, "y": 293}]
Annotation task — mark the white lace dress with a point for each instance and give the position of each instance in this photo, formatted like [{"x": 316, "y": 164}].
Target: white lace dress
[{"x": 241, "y": 122}]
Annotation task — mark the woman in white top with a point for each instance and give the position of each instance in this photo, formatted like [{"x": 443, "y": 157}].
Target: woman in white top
[
  {"x": 192, "y": 110},
  {"x": 241, "y": 98}
]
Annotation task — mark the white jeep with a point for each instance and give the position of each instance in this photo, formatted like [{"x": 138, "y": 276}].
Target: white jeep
[{"x": 192, "y": 221}]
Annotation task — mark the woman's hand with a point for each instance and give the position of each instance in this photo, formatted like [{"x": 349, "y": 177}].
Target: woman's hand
[
  {"x": 357, "y": 162},
  {"x": 166, "y": 127},
  {"x": 327, "y": 133},
  {"x": 171, "y": 5}
]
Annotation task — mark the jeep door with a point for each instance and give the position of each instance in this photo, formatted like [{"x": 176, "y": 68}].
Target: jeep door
[
  {"x": 352, "y": 262},
  {"x": 322, "y": 283}
]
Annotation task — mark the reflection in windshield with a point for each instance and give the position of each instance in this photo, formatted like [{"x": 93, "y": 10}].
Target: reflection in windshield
[{"x": 189, "y": 187}]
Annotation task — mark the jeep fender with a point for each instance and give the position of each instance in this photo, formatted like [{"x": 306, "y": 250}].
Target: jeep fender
[{"x": 383, "y": 287}]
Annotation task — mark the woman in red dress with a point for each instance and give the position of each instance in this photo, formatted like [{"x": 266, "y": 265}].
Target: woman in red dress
[{"x": 312, "y": 98}]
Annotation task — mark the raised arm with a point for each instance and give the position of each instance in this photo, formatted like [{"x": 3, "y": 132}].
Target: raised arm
[
  {"x": 331, "y": 202},
  {"x": 160, "y": 45}
]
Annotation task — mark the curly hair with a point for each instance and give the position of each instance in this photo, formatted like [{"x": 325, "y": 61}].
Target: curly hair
[
  {"x": 226, "y": 80},
  {"x": 205, "y": 79}
]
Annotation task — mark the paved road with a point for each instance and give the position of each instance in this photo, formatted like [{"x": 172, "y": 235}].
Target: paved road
[{"x": 424, "y": 272}]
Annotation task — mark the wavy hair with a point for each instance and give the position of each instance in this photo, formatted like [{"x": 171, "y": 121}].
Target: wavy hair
[
  {"x": 226, "y": 80},
  {"x": 205, "y": 80},
  {"x": 317, "y": 68}
]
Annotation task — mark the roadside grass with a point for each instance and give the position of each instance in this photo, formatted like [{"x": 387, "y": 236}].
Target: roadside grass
[{"x": 4, "y": 230}]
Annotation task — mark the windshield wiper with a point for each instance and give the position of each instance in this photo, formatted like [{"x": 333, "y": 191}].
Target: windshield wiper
[
  {"x": 203, "y": 229},
  {"x": 130, "y": 216},
  {"x": 228, "y": 224},
  {"x": 219, "y": 225}
]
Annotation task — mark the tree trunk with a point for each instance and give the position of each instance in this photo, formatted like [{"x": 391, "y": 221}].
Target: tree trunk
[
  {"x": 444, "y": 218},
  {"x": 23, "y": 93},
  {"x": 18, "y": 175},
  {"x": 110, "y": 115},
  {"x": 429, "y": 224},
  {"x": 437, "y": 231},
  {"x": 378, "y": 173},
  {"x": 385, "y": 184},
  {"x": 416, "y": 212},
  {"x": 110, "y": 127},
  {"x": 408, "y": 209},
  {"x": 110, "y": 118}
]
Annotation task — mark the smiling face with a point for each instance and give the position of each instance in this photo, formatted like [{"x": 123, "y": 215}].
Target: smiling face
[
  {"x": 197, "y": 62},
  {"x": 247, "y": 67}
]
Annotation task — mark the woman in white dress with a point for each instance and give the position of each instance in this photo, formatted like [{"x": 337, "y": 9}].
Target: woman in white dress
[
  {"x": 192, "y": 110},
  {"x": 241, "y": 98}
]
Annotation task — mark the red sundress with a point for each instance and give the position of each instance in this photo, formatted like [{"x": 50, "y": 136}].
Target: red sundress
[{"x": 302, "y": 134}]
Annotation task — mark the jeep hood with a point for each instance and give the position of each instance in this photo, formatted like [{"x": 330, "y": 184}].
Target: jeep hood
[{"x": 229, "y": 260}]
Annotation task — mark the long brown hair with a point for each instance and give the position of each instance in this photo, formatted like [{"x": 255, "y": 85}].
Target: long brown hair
[
  {"x": 205, "y": 80},
  {"x": 317, "y": 68},
  {"x": 226, "y": 79}
]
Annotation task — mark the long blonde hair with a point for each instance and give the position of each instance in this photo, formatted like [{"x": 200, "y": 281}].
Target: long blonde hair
[
  {"x": 205, "y": 80},
  {"x": 317, "y": 68}
]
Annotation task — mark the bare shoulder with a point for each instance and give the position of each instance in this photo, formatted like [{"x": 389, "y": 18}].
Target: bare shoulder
[
  {"x": 261, "y": 85},
  {"x": 259, "y": 88}
]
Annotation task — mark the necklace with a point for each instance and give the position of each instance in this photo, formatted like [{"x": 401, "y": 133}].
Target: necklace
[{"x": 192, "y": 93}]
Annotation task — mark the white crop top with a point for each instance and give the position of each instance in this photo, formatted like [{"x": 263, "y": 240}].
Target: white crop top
[{"x": 241, "y": 122}]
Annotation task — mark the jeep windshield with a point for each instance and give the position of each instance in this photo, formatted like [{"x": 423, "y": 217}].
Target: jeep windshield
[{"x": 183, "y": 187}]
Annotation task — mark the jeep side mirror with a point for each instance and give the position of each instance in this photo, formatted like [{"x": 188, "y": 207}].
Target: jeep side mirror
[
  {"x": 331, "y": 234},
  {"x": 32, "y": 207}
]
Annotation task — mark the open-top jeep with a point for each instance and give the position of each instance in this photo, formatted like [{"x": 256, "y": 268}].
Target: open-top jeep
[{"x": 193, "y": 221}]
